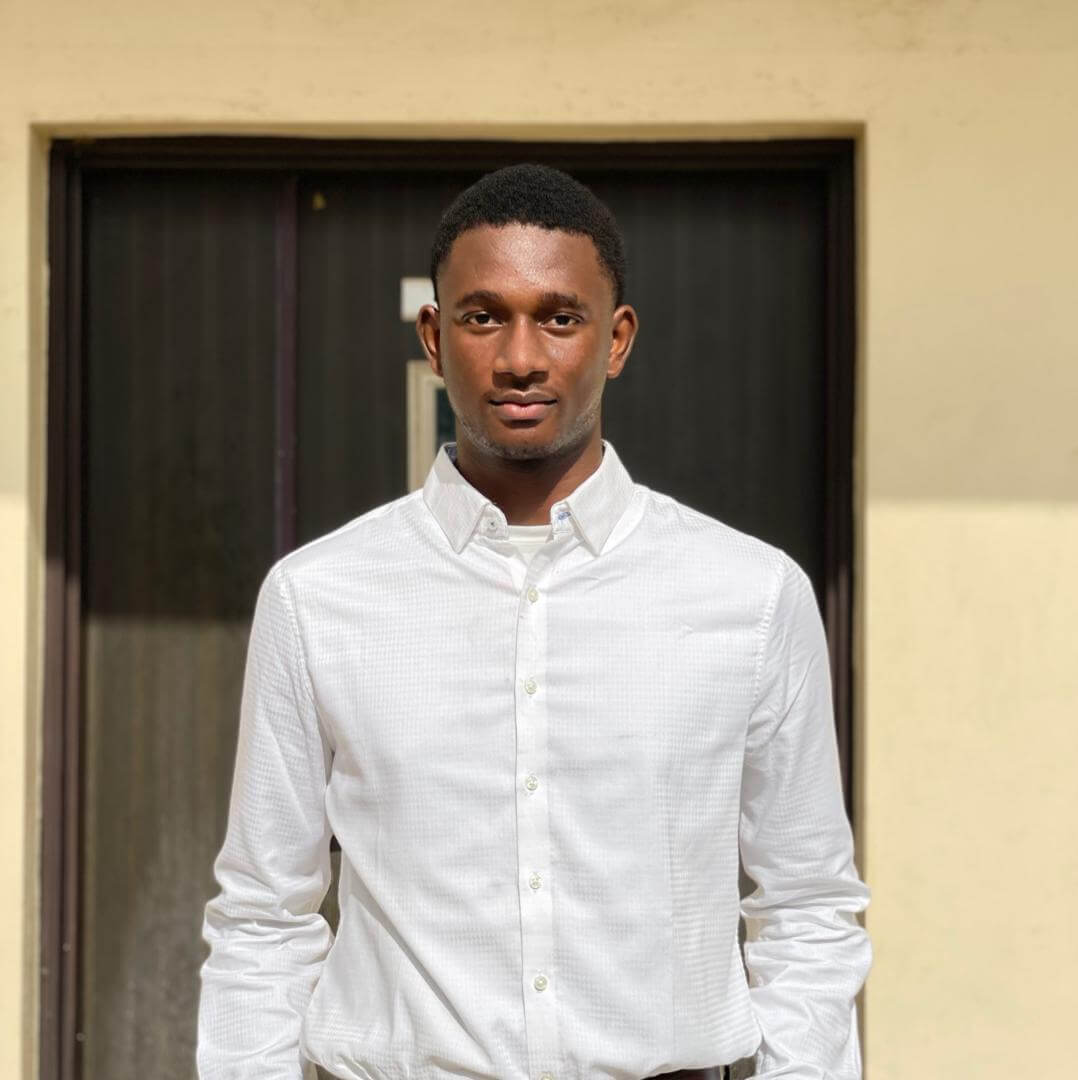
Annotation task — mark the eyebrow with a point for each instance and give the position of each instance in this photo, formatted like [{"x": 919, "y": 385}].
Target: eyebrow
[
  {"x": 480, "y": 296},
  {"x": 561, "y": 300},
  {"x": 548, "y": 300}
]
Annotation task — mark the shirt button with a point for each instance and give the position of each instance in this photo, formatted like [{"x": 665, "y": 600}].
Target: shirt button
[
  {"x": 546, "y": 1076},
  {"x": 491, "y": 525},
  {"x": 531, "y": 782},
  {"x": 533, "y": 594},
  {"x": 540, "y": 983},
  {"x": 535, "y": 881},
  {"x": 531, "y": 685}
]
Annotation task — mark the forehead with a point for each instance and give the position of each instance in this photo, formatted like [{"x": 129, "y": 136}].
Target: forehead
[{"x": 524, "y": 258}]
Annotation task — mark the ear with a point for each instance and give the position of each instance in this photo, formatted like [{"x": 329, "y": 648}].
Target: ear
[
  {"x": 428, "y": 328},
  {"x": 622, "y": 336}
]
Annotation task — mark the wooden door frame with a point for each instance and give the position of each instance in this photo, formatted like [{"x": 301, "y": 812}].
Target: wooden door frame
[{"x": 61, "y": 784}]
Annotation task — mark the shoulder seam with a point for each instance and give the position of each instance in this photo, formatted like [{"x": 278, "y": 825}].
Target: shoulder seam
[
  {"x": 356, "y": 522},
  {"x": 285, "y": 588},
  {"x": 705, "y": 519},
  {"x": 324, "y": 730},
  {"x": 764, "y": 631}
]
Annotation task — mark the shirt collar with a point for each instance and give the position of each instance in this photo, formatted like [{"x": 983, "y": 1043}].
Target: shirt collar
[{"x": 593, "y": 508}]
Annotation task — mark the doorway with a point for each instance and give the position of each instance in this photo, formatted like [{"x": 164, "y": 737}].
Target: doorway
[{"x": 229, "y": 378}]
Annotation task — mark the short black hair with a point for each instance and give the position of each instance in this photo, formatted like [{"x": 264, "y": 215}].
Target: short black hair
[{"x": 533, "y": 195}]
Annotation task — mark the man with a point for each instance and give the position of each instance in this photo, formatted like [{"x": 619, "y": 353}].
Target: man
[{"x": 540, "y": 707}]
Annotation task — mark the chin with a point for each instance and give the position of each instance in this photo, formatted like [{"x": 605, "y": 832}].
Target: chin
[
  {"x": 524, "y": 450},
  {"x": 523, "y": 445}
]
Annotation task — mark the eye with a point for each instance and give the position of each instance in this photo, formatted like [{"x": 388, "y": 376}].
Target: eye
[
  {"x": 563, "y": 320},
  {"x": 479, "y": 318}
]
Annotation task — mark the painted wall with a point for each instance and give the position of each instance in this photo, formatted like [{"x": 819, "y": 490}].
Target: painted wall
[{"x": 968, "y": 445}]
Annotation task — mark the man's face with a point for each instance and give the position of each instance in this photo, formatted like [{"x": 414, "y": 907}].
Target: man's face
[{"x": 525, "y": 337}]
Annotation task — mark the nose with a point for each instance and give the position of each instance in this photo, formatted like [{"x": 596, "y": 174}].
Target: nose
[{"x": 521, "y": 352}]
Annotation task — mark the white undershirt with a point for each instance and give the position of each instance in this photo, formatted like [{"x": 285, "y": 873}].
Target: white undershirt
[{"x": 528, "y": 539}]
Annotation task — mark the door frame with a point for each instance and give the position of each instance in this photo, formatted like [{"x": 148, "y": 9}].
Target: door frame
[{"x": 71, "y": 159}]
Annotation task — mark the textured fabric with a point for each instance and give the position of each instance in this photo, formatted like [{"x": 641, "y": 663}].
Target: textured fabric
[{"x": 539, "y": 775}]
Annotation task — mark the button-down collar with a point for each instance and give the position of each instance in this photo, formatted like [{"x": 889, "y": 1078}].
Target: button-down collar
[{"x": 594, "y": 506}]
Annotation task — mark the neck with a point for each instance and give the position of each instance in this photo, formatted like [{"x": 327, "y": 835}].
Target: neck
[{"x": 525, "y": 489}]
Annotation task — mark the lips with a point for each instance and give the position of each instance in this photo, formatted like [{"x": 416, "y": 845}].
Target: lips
[{"x": 522, "y": 406}]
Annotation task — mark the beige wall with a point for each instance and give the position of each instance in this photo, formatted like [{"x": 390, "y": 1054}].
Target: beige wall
[{"x": 968, "y": 448}]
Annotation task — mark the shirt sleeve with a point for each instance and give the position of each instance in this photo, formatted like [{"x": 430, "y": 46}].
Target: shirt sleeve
[
  {"x": 267, "y": 940},
  {"x": 807, "y": 955}
]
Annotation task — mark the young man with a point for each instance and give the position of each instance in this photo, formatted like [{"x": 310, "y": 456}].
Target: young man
[{"x": 541, "y": 708}]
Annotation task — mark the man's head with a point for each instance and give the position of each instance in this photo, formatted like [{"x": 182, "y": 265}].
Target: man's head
[
  {"x": 533, "y": 195},
  {"x": 529, "y": 271}
]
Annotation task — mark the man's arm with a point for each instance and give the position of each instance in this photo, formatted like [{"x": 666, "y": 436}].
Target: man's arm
[
  {"x": 806, "y": 954},
  {"x": 267, "y": 940}
]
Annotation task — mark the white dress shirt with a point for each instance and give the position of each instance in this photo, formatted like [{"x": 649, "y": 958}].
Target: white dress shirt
[{"x": 539, "y": 773}]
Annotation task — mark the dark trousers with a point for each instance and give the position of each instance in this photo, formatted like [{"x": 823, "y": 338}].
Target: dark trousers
[
  {"x": 719, "y": 1072},
  {"x": 740, "y": 1070}
]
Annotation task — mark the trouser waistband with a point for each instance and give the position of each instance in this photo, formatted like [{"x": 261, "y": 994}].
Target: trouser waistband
[
  {"x": 739, "y": 1070},
  {"x": 717, "y": 1072}
]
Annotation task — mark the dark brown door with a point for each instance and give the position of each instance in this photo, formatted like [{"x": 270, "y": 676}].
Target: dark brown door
[
  {"x": 242, "y": 389},
  {"x": 179, "y": 527},
  {"x": 723, "y": 404}
]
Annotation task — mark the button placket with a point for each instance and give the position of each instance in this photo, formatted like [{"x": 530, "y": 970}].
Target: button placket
[{"x": 533, "y": 825}]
